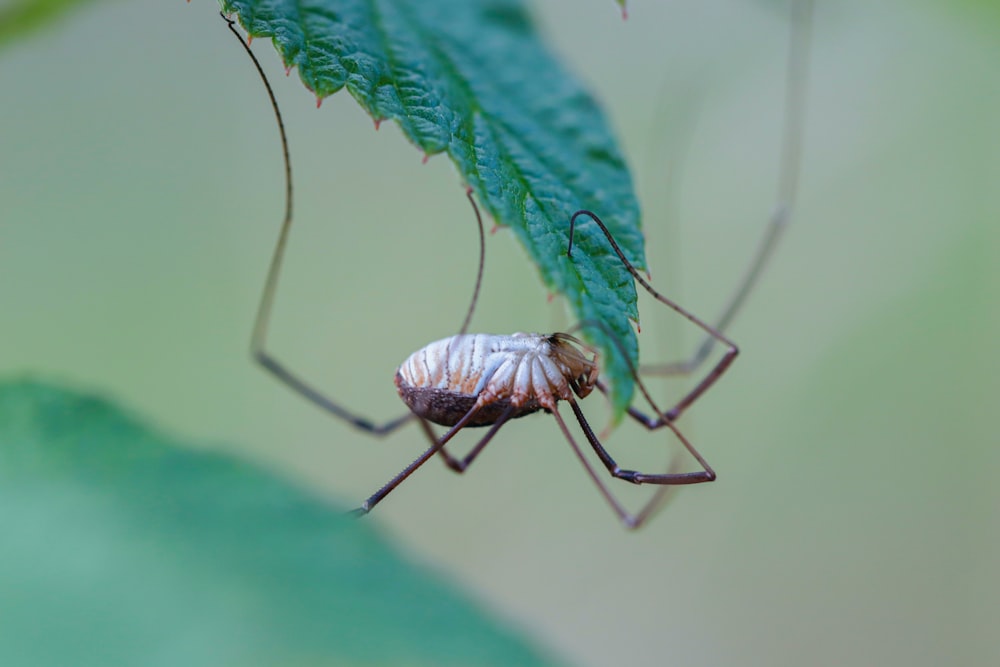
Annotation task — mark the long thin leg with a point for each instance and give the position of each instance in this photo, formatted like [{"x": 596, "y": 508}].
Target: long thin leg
[
  {"x": 258, "y": 342},
  {"x": 458, "y": 465},
  {"x": 436, "y": 445},
  {"x": 651, "y": 423},
  {"x": 482, "y": 262},
  {"x": 672, "y": 478},
  {"x": 707, "y": 474},
  {"x": 623, "y": 514},
  {"x": 788, "y": 177},
  {"x": 716, "y": 372},
  {"x": 630, "y": 520}
]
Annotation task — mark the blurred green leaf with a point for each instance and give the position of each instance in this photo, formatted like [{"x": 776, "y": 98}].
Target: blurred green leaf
[
  {"x": 472, "y": 78},
  {"x": 20, "y": 17},
  {"x": 122, "y": 548}
]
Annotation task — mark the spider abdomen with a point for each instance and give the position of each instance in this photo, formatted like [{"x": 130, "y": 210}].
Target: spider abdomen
[{"x": 444, "y": 380}]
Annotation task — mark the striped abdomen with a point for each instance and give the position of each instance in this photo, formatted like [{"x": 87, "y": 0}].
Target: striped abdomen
[{"x": 442, "y": 381}]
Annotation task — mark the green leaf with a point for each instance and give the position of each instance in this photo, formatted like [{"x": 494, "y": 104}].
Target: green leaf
[
  {"x": 471, "y": 78},
  {"x": 120, "y": 547},
  {"x": 20, "y": 17}
]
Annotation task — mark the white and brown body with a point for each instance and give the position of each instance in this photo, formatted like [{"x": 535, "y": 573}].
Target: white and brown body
[{"x": 444, "y": 380}]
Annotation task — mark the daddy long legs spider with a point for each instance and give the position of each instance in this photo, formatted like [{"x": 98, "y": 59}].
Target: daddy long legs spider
[{"x": 485, "y": 380}]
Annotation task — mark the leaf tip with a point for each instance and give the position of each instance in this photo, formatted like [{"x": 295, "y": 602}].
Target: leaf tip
[{"x": 378, "y": 123}]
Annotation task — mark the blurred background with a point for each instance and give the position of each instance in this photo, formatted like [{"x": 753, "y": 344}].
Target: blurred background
[{"x": 855, "y": 516}]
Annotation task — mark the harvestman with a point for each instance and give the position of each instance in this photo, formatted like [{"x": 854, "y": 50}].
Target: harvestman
[{"x": 485, "y": 380}]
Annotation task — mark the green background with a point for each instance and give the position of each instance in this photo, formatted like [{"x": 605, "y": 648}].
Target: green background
[{"x": 855, "y": 516}]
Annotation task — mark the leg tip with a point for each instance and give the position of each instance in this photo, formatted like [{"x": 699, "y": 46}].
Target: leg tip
[{"x": 359, "y": 512}]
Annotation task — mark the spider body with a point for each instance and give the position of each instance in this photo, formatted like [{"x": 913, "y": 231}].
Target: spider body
[
  {"x": 487, "y": 380},
  {"x": 522, "y": 372}
]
